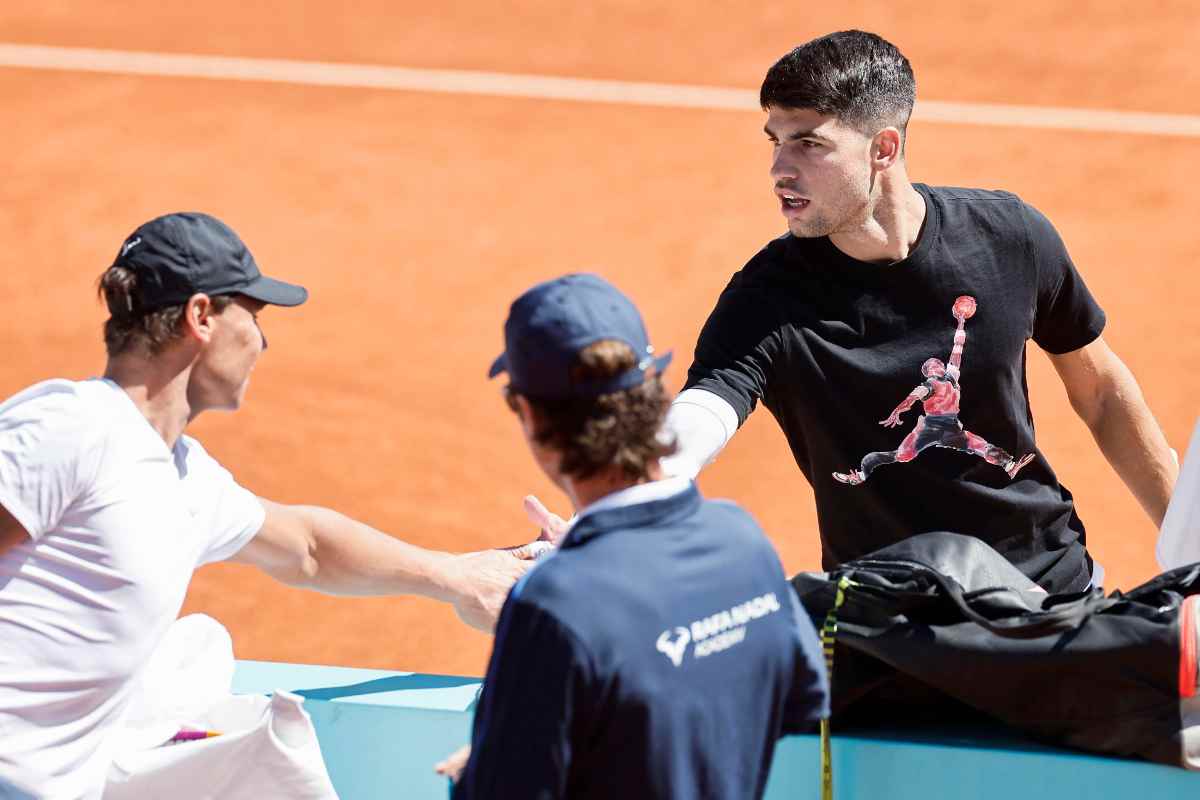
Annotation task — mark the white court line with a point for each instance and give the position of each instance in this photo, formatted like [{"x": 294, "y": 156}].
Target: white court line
[{"x": 365, "y": 76}]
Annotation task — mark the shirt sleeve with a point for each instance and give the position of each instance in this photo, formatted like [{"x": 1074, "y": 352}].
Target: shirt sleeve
[
  {"x": 808, "y": 701},
  {"x": 737, "y": 350},
  {"x": 702, "y": 424},
  {"x": 232, "y": 515},
  {"x": 1067, "y": 316},
  {"x": 43, "y": 460},
  {"x": 534, "y": 703}
]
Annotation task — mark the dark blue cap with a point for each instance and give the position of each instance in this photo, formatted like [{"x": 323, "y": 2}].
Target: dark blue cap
[
  {"x": 549, "y": 324},
  {"x": 178, "y": 255}
]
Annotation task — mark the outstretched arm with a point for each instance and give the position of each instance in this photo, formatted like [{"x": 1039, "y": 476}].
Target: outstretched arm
[
  {"x": 919, "y": 393},
  {"x": 954, "y": 364},
  {"x": 1107, "y": 398},
  {"x": 317, "y": 548}
]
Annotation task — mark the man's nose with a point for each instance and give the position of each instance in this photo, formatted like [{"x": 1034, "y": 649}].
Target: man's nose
[{"x": 783, "y": 168}]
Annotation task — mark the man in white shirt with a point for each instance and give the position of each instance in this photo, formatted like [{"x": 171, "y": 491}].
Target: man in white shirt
[{"x": 107, "y": 507}]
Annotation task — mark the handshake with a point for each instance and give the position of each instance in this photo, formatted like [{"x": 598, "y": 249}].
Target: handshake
[{"x": 479, "y": 582}]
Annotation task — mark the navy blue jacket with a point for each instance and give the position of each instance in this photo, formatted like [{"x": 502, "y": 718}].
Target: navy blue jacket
[{"x": 658, "y": 654}]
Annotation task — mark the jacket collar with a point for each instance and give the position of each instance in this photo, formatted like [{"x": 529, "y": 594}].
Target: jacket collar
[{"x": 599, "y": 521}]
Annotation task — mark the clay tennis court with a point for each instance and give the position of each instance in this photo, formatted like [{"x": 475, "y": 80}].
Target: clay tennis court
[{"x": 414, "y": 217}]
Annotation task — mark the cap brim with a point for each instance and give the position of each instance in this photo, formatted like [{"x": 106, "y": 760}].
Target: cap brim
[
  {"x": 277, "y": 293},
  {"x": 660, "y": 363},
  {"x": 499, "y": 365}
]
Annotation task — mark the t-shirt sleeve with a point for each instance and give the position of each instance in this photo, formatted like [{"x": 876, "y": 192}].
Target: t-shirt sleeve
[
  {"x": 737, "y": 350},
  {"x": 808, "y": 701},
  {"x": 44, "y": 460},
  {"x": 230, "y": 515},
  {"x": 533, "y": 703},
  {"x": 1067, "y": 316}
]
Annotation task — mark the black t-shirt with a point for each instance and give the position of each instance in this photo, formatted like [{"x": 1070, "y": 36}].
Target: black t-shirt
[{"x": 832, "y": 346}]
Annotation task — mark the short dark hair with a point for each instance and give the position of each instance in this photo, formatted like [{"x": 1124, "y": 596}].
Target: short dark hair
[
  {"x": 619, "y": 429},
  {"x": 858, "y": 77},
  {"x": 128, "y": 327}
]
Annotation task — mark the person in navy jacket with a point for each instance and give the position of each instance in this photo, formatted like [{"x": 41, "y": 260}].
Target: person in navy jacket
[{"x": 659, "y": 652}]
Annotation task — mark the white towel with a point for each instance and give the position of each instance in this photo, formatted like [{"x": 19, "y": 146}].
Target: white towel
[{"x": 267, "y": 747}]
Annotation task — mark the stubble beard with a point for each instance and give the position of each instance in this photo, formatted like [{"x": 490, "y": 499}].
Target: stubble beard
[
  {"x": 811, "y": 228},
  {"x": 847, "y": 218}
]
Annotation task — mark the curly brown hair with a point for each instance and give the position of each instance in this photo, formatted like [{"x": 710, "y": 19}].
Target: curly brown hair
[
  {"x": 619, "y": 429},
  {"x": 128, "y": 327}
]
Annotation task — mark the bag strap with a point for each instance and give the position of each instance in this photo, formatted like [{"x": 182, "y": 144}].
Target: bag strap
[{"x": 828, "y": 637}]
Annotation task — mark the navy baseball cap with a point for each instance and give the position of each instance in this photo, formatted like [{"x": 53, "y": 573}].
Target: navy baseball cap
[
  {"x": 549, "y": 324},
  {"x": 178, "y": 255}
]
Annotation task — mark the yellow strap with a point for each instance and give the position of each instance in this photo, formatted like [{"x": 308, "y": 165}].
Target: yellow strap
[
  {"x": 826, "y": 763},
  {"x": 828, "y": 635}
]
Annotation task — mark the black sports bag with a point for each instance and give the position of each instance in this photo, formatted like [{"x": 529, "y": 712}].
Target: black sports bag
[{"x": 942, "y": 621}]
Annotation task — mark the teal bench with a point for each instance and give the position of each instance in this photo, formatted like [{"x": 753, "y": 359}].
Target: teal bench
[{"x": 381, "y": 733}]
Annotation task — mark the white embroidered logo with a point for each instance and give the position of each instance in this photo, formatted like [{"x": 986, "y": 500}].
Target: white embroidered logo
[
  {"x": 674, "y": 650},
  {"x": 132, "y": 243},
  {"x": 717, "y": 632}
]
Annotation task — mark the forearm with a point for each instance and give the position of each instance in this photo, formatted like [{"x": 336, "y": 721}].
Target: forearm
[
  {"x": 316, "y": 548},
  {"x": 960, "y": 341},
  {"x": 347, "y": 557},
  {"x": 1132, "y": 441},
  {"x": 909, "y": 401}
]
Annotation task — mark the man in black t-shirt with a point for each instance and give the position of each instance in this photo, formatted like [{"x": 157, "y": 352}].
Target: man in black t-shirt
[{"x": 828, "y": 321}]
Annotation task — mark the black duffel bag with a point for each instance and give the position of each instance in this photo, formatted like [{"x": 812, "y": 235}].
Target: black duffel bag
[{"x": 941, "y": 622}]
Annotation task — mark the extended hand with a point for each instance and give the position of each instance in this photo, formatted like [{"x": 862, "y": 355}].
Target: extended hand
[
  {"x": 452, "y": 765},
  {"x": 553, "y": 527},
  {"x": 892, "y": 421},
  {"x": 482, "y": 581}
]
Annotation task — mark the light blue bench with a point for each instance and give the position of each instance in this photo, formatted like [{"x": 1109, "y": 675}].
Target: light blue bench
[{"x": 381, "y": 733}]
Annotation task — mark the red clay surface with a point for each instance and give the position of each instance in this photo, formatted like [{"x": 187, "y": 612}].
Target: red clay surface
[{"x": 415, "y": 218}]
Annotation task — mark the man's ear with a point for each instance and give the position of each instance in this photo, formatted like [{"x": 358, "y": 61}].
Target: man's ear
[
  {"x": 197, "y": 318},
  {"x": 887, "y": 148}
]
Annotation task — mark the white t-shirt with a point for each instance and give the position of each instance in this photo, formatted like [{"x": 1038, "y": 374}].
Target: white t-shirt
[{"x": 118, "y": 522}]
